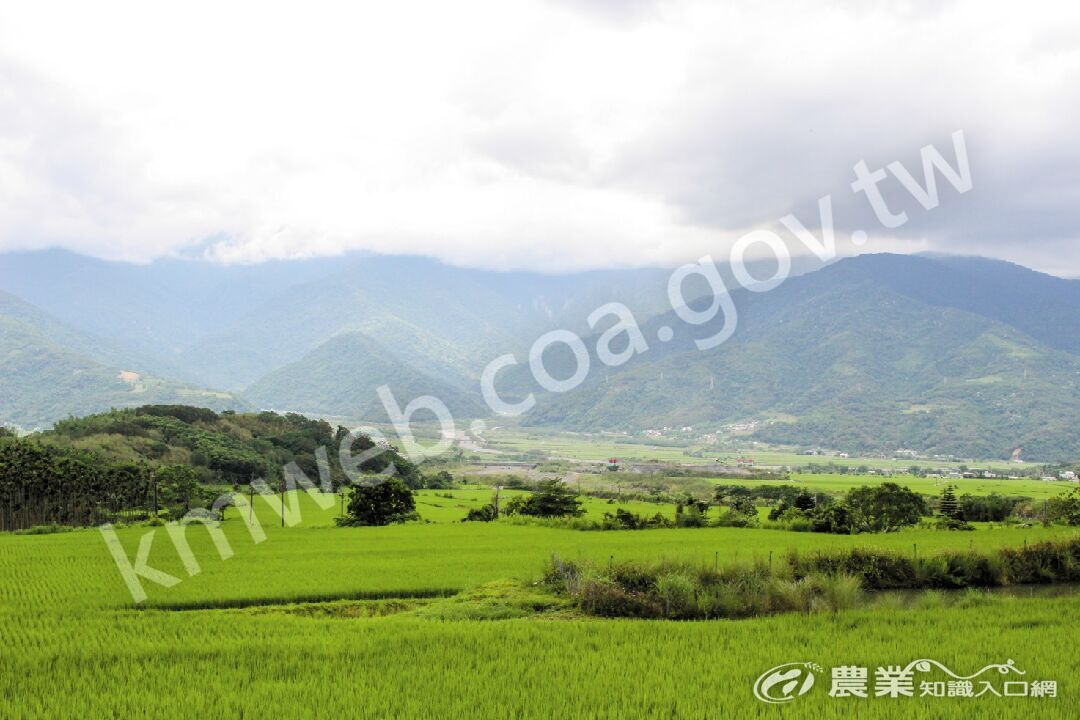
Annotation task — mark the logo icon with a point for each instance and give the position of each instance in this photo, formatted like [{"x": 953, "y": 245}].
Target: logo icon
[{"x": 784, "y": 683}]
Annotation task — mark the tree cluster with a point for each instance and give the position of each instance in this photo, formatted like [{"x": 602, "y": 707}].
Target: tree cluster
[{"x": 869, "y": 509}]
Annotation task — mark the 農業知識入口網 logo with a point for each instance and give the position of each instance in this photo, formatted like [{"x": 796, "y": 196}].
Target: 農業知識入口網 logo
[
  {"x": 919, "y": 678},
  {"x": 784, "y": 683}
]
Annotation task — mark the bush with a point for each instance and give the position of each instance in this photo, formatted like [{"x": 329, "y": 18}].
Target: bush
[
  {"x": 878, "y": 570},
  {"x": 441, "y": 480},
  {"x": 991, "y": 508},
  {"x": 606, "y": 600},
  {"x": 948, "y": 523},
  {"x": 44, "y": 530},
  {"x": 733, "y": 518},
  {"x": 821, "y": 582},
  {"x": 690, "y": 517},
  {"x": 485, "y": 513},
  {"x": 551, "y": 499},
  {"x": 832, "y": 519},
  {"x": 390, "y": 501},
  {"x": 626, "y": 520},
  {"x": 883, "y": 508},
  {"x": 1042, "y": 563},
  {"x": 682, "y": 591}
]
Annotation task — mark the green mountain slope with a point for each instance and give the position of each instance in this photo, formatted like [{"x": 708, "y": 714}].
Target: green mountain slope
[
  {"x": 842, "y": 360},
  {"x": 51, "y": 371},
  {"x": 340, "y": 378}
]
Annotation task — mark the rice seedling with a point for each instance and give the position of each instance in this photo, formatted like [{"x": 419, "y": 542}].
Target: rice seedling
[{"x": 384, "y": 640}]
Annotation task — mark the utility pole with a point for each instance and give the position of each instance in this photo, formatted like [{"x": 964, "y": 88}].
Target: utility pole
[{"x": 281, "y": 486}]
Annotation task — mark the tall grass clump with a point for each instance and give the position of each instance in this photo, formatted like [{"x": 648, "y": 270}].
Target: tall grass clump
[
  {"x": 817, "y": 582},
  {"x": 685, "y": 591}
]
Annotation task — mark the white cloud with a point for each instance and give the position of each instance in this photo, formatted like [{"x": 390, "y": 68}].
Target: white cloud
[{"x": 516, "y": 133}]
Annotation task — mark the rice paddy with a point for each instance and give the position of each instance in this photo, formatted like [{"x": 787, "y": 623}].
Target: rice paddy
[{"x": 416, "y": 624}]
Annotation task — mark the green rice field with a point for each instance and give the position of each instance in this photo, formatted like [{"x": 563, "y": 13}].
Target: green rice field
[{"x": 238, "y": 640}]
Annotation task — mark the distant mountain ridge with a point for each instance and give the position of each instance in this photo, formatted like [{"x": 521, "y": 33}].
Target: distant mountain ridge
[
  {"x": 960, "y": 355},
  {"x": 847, "y": 358},
  {"x": 341, "y": 377},
  {"x": 51, "y": 371}
]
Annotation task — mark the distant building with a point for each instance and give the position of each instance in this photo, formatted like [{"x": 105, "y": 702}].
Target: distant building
[{"x": 1068, "y": 475}]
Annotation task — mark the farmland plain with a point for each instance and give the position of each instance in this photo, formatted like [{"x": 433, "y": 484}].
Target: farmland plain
[
  {"x": 512, "y": 441},
  {"x": 237, "y": 640}
]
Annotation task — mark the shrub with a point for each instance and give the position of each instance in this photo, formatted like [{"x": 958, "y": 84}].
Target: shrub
[
  {"x": 733, "y": 518},
  {"x": 1042, "y": 563},
  {"x": 44, "y": 530},
  {"x": 552, "y": 498},
  {"x": 832, "y": 519},
  {"x": 605, "y": 600},
  {"x": 676, "y": 593},
  {"x": 441, "y": 480},
  {"x": 991, "y": 508},
  {"x": 878, "y": 570},
  {"x": 884, "y": 508},
  {"x": 690, "y": 517},
  {"x": 485, "y": 513},
  {"x": 948, "y": 523},
  {"x": 626, "y": 520},
  {"x": 390, "y": 501}
]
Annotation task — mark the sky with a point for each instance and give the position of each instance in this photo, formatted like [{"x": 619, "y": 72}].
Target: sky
[{"x": 547, "y": 135}]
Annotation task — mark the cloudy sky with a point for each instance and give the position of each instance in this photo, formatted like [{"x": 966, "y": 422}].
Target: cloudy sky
[{"x": 528, "y": 134}]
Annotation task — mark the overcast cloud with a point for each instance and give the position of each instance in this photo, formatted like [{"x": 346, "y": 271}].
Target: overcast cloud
[{"x": 515, "y": 133}]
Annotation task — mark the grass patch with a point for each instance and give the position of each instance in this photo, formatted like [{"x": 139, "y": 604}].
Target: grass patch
[{"x": 680, "y": 590}]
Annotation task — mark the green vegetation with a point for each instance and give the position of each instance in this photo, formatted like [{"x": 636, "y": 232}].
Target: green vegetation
[
  {"x": 388, "y": 501},
  {"x": 803, "y": 582},
  {"x": 52, "y": 371},
  {"x": 870, "y": 509},
  {"x": 226, "y": 448},
  {"x": 432, "y": 619},
  {"x": 847, "y": 358},
  {"x": 551, "y": 499},
  {"x": 258, "y": 627},
  {"x": 341, "y": 377},
  {"x": 538, "y": 443},
  {"x": 132, "y": 464}
]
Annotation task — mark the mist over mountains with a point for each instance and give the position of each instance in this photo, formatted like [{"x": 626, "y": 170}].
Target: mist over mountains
[{"x": 943, "y": 354}]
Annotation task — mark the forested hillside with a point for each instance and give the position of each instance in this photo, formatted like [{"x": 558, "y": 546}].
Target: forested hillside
[
  {"x": 842, "y": 359},
  {"x": 140, "y": 462},
  {"x": 50, "y": 370}
]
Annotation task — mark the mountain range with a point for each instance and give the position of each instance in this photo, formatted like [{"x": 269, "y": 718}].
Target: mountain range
[{"x": 964, "y": 356}]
